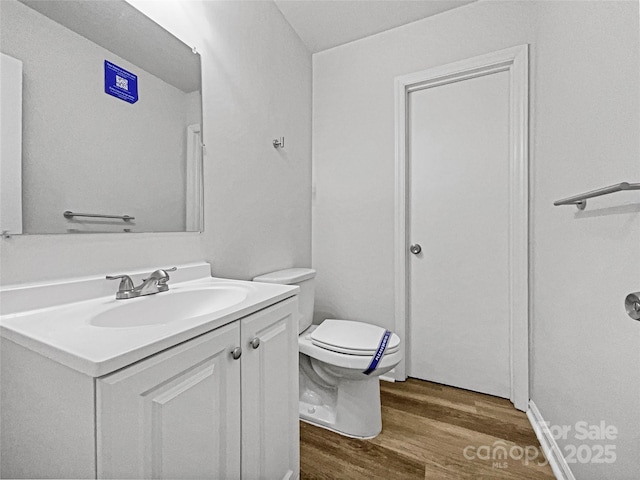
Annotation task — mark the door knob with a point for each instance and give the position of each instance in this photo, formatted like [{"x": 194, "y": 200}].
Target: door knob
[
  {"x": 236, "y": 353},
  {"x": 632, "y": 305},
  {"x": 255, "y": 343},
  {"x": 415, "y": 248}
]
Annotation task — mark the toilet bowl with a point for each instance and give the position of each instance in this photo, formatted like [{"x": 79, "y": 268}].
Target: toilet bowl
[{"x": 340, "y": 364}]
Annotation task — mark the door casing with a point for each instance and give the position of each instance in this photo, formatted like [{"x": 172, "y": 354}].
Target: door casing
[{"x": 515, "y": 60}]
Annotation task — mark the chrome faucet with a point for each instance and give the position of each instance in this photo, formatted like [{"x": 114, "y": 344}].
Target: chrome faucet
[{"x": 156, "y": 282}]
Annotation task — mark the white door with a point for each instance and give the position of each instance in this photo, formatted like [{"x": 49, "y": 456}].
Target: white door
[
  {"x": 459, "y": 214},
  {"x": 270, "y": 429},
  {"x": 174, "y": 415},
  {"x": 11, "y": 144}
]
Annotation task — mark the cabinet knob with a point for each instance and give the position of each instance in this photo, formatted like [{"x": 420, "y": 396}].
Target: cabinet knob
[
  {"x": 255, "y": 343},
  {"x": 236, "y": 353}
]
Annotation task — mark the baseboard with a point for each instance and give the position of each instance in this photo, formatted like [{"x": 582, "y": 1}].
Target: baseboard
[
  {"x": 390, "y": 376},
  {"x": 549, "y": 445}
]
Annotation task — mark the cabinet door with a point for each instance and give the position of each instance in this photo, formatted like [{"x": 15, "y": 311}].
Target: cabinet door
[
  {"x": 270, "y": 430},
  {"x": 174, "y": 415}
]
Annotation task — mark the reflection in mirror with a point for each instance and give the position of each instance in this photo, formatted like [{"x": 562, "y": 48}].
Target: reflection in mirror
[{"x": 101, "y": 115}]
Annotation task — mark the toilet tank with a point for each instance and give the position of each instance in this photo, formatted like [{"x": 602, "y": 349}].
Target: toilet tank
[{"x": 303, "y": 278}]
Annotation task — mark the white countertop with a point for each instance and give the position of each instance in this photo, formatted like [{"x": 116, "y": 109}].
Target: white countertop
[{"x": 64, "y": 333}]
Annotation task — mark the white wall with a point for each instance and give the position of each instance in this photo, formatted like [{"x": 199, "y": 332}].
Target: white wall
[
  {"x": 586, "y": 130},
  {"x": 257, "y": 86},
  {"x": 353, "y": 146},
  {"x": 584, "y": 134}
]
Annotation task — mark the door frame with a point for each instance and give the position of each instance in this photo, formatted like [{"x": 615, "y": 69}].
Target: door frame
[
  {"x": 194, "y": 183},
  {"x": 515, "y": 60}
]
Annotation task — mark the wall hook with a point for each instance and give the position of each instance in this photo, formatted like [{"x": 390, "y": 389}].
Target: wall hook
[{"x": 278, "y": 143}]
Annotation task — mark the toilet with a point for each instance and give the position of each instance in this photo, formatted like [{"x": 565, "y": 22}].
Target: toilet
[{"x": 340, "y": 364}]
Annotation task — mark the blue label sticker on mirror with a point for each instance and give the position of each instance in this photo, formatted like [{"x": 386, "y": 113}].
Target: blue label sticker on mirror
[{"x": 120, "y": 83}]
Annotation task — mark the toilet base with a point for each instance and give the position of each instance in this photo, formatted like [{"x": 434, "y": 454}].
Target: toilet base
[
  {"x": 344, "y": 434},
  {"x": 354, "y": 412}
]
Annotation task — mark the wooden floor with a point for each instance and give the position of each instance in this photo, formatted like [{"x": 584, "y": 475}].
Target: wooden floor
[{"x": 426, "y": 430}]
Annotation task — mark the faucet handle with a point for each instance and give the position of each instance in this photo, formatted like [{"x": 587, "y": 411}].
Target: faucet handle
[
  {"x": 158, "y": 280},
  {"x": 165, "y": 278},
  {"x": 125, "y": 283}
]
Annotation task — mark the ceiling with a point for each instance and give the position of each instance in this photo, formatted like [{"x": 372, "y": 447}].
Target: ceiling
[{"x": 323, "y": 24}]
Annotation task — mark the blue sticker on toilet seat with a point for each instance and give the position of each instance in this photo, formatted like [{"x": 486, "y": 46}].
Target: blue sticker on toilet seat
[{"x": 379, "y": 353}]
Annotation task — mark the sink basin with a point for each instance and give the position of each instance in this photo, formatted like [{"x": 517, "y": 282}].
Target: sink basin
[
  {"x": 78, "y": 323},
  {"x": 169, "y": 306}
]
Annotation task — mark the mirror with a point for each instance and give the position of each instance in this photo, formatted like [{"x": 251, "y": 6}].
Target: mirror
[{"x": 101, "y": 115}]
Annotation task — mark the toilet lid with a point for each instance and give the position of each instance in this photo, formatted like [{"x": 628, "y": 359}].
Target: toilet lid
[{"x": 353, "y": 338}]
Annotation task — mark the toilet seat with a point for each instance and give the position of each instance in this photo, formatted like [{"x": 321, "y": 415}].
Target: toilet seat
[
  {"x": 352, "y": 338},
  {"x": 359, "y": 361}
]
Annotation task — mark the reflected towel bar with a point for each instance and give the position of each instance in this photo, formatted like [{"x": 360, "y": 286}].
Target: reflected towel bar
[
  {"x": 580, "y": 201},
  {"x": 69, "y": 214}
]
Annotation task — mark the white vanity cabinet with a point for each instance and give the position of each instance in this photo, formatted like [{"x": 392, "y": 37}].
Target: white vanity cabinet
[
  {"x": 189, "y": 411},
  {"x": 270, "y": 439},
  {"x": 174, "y": 415}
]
